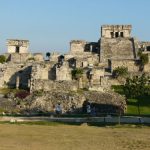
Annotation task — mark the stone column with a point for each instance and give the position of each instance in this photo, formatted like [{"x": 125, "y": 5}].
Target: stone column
[
  {"x": 29, "y": 83},
  {"x": 91, "y": 83},
  {"x": 91, "y": 48},
  {"x": 80, "y": 83},
  {"x": 114, "y": 34},
  {"x": 100, "y": 80},
  {"x": 17, "y": 82}
]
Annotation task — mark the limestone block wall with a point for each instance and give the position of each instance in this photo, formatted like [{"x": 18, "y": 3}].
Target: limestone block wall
[
  {"x": 77, "y": 46},
  {"x": 49, "y": 85},
  {"x": 63, "y": 73},
  {"x": 130, "y": 64},
  {"x": 19, "y": 58},
  {"x": 9, "y": 73},
  {"x": 86, "y": 59},
  {"x": 97, "y": 73},
  {"x": 117, "y": 48},
  {"x": 43, "y": 71}
]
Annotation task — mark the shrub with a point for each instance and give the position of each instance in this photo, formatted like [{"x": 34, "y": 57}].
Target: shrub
[
  {"x": 31, "y": 58},
  {"x": 143, "y": 60},
  {"x": 77, "y": 73},
  {"x": 22, "y": 94},
  {"x": 2, "y": 59},
  {"x": 120, "y": 72},
  {"x": 38, "y": 92}
]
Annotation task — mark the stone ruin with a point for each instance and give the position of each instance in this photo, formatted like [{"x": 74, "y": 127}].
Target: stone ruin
[{"x": 116, "y": 47}]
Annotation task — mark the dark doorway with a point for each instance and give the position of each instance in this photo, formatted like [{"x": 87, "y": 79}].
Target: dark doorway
[
  {"x": 148, "y": 48},
  {"x": 112, "y": 34},
  {"x": 17, "y": 49},
  {"x": 116, "y": 34},
  {"x": 121, "y": 34}
]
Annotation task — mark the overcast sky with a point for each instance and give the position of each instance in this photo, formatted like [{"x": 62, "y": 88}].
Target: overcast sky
[{"x": 50, "y": 25}]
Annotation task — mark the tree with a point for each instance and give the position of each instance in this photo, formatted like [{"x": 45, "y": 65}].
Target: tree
[
  {"x": 77, "y": 73},
  {"x": 48, "y": 54},
  {"x": 143, "y": 60},
  {"x": 120, "y": 72},
  {"x": 136, "y": 87},
  {"x": 2, "y": 59}
]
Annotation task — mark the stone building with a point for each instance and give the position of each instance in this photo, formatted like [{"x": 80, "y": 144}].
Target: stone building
[{"x": 116, "y": 47}]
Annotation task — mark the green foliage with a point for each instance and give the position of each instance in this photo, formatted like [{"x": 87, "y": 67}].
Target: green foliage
[
  {"x": 2, "y": 59},
  {"x": 77, "y": 73},
  {"x": 134, "y": 105},
  {"x": 38, "y": 92},
  {"x": 48, "y": 54},
  {"x": 120, "y": 72},
  {"x": 9, "y": 90},
  {"x": 143, "y": 60},
  {"x": 136, "y": 86}
]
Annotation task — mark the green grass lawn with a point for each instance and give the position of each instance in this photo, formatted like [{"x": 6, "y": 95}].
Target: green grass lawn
[
  {"x": 8, "y": 90},
  {"x": 132, "y": 104},
  {"x": 71, "y": 137}
]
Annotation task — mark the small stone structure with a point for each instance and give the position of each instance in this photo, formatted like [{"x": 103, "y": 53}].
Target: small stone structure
[
  {"x": 17, "y": 46},
  {"x": 77, "y": 46},
  {"x": 115, "y": 31}
]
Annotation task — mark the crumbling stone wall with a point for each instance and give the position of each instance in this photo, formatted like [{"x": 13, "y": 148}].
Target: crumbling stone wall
[
  {"x": 43, "y": 70},
  {"x": 9, "y": 73},
  {"x": 63, "y": 72},
  {"x": 18, "y": 58},
  {"x": 49, "y": 85},
  {"x": 77, "y": 46}
]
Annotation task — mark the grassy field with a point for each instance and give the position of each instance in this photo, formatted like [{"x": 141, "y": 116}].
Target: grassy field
[
  {"x": 68, "y": 137},
  {"x": 132, "y": 104}
]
